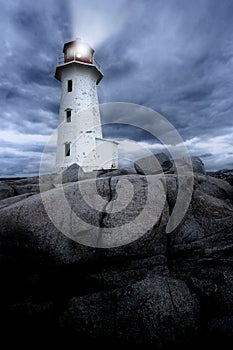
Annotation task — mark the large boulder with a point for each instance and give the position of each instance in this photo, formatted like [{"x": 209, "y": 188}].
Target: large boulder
[
  {"x": 23, "y": 189},
  {"x": 81, "y": 199},
  {"x": 196, "y": 163},
  {"x": 6, "y": 191},
  {"x": 215, "y": 187},
  {"x": 156, "y": 310},
  {"x": 160, "y": 289},
  {"x": 117, "y": 172},
  {"x": 226, "y": 174},
  {"x": 198, "y": 166},
  {"x": 24, "y": 181},
  {"x": 154, "y": 164},
  {"x": 27, "y": 186},
  {"x": 11, "y": 200},
  {"x": 73, "y": 173}
]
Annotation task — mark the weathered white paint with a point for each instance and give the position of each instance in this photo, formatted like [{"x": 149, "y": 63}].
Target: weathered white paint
[
  {"x": 107, "y": 153},
  {"x": 84, "y": 133}
]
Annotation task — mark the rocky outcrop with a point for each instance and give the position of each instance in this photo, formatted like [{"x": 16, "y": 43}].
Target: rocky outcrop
[
  {"x": 117, "y": 172},
  {"x": 226, "y": 175},
  {"x": 20, "y": 188},
  {"x": 73, "y": 173},
  {"x": 158, "y": 163},
  {"x": 11, "y": 200},
  {"x": 137, "y": 313},
  {"x": 197, "y": 165},
  {"x": 153, "y": 164},
  {"x": 6, "y": 191},
  {"x": 161, "y": 289}
]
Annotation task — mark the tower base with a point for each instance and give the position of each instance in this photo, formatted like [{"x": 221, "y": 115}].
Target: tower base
[{"x": 91, "y": 154}]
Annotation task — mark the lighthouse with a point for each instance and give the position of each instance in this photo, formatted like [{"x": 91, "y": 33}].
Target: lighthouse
[{"x": 79, "y": 134}]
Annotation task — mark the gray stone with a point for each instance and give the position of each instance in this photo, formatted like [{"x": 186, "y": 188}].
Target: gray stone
[
  {"x": 89, "y": 211},
  {"x": 12, "y": 200},
  {"x": 162, "y": 289},
  {"x": 31, "y": 184},
  {"x": 215, "y": 187},
  {"x": 140, "y": 313},
  {"x": 72, "y": 173},
  {"x": 25, "y": 181},
  {"x": 29, "y": 188},
  {"x": 154, "y": 164},
  {"x": 198, "y": 166},
  {"x": 6, "y": 191},
  {"x": 201, "y": 221},
  {"x": 225, "y": 174},
  {"x": 117, "y": 172},
  {"x": 209, "y": 215},
  {"x": 33, "y": 188}
]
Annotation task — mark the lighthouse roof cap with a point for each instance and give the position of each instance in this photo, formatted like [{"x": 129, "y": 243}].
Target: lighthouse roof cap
[{"x": 76, "y": 42}]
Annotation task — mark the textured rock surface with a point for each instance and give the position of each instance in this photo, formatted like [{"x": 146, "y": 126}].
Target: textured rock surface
[
  {"x": 6, "y": 191},
  {"x": 161, "y": 163},
  {"x": 161, "y": 290},
  {"x": 197, "y": 164},
  {"x": 72, "y": 173},
  {"x": 24, "y": 181},
  {"x": 150, "y": 311},
  {"x": 29, "y": 188},
  {"x": 224, "y": 175},
  {"x": 21, "y": 188},
  {"x": 9, "y": 201},
  {"x": 117, "y": 172},
  {"x": 153, "y": 164}
]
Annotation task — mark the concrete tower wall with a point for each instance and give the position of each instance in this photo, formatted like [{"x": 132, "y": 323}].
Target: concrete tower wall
[
  {"x": 79, "y": 138},
  {"x": 84, "y": 125},
  {"x": 82, "y": 97}
]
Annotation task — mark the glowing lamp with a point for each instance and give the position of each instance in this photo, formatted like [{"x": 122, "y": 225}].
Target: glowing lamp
[{"x": 78, "y": 50}]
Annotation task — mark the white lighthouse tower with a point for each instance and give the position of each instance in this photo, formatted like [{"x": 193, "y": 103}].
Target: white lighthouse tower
[{"x": 79, "y": 138}]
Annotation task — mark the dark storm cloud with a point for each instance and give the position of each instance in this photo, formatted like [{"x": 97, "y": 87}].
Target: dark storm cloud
[
  {"x": 38, "y": 148},
  {"x": 120, "y": 69},
  {"x": 29, "y": 95},
  {"x": 206, "y": 155},
  {"x": 185, "y": 55},
  {"x": 193, "y": 95},
  {"x": 19, "y": 166},
  {"x": 124, "y": 131},
  {"x": 37, "y": 75},
  {"x": 174, "y": 56}
]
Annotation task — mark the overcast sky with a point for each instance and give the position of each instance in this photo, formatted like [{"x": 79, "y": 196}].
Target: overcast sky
[{"x": 174, "y": 56}]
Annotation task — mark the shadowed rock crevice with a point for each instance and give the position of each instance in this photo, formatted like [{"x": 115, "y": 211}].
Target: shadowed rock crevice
[{"x": 103, "y": 221}]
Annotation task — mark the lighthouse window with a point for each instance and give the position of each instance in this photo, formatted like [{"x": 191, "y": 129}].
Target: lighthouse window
[
  {"x": 67, "y": 149},
  {"x": 69, "y": 86},
  {"x": 70, "y": 52},
  {"x": 68, "y": 116}
]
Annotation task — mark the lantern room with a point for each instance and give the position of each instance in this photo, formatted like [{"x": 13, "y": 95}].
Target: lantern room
[{"x": 78, "y": 50}]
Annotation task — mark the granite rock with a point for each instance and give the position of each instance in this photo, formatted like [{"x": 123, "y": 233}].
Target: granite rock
[{"x": 162, "y": 289}]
